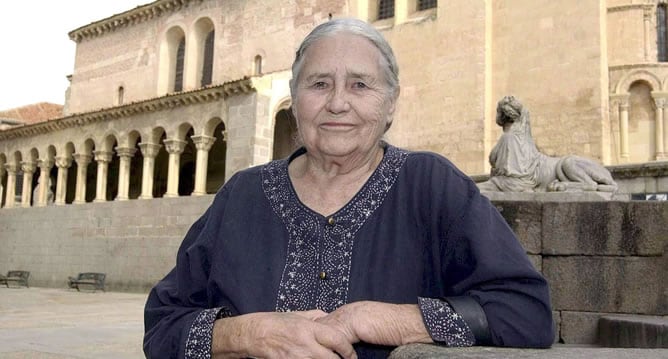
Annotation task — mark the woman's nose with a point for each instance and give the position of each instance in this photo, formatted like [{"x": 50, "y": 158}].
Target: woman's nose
[{"x": 338, "y": 101}]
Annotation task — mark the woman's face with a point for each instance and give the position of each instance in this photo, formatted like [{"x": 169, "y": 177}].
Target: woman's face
[{"x": 343, "y": 103}]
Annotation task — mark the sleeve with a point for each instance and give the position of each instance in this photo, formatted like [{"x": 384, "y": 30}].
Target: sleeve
[
  {"x": 444, "y": 324},
  {"x": 178, "y": 317},
  {"x": 489, "y": 280}
]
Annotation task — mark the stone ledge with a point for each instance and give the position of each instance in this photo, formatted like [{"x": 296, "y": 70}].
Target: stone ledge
[
  {"x": 556, "y": 196},
  {"x": 633, "y": 331},
  {"x": 427, "y": 351}
]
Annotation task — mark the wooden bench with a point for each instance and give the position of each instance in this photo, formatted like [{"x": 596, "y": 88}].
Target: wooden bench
[
  {"x": 96, "y": 280},
  {"x": 20, "y": 277}
]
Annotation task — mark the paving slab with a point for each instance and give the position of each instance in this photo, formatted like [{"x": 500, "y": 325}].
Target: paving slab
[{"x": 59, "y": 323}]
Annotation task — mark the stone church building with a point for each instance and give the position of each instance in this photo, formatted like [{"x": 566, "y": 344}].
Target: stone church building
[
  {"x": 167, "y": 100},
  {"x": 170, "y": 98}
]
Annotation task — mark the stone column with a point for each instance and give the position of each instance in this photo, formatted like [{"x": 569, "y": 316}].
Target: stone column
[
  {"x": 28, "y": 169},
  {"x": 82, "y": 174},
  {"x": 10, "y": 193},
  {"x": 63, "y": 164},
  {"x": 647, "y": 24},
  {"x": 624, "y": 129},
  {"x": 401, "y": 11},
  {"x": 44, "y": 182},
  {"x": 2, "y": 189},
  {"x": 174, "y": 148},
  {"x": 103, "y": 158},
  {"x": 203, "y": 144},
  {"x": 125, "y": 154},
  {"x": 658, "y": 130},
  {"x": 149, "y": 151}
]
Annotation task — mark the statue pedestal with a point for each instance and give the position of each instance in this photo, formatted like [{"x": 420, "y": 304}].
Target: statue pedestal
[{"x": 590, "y": 196}]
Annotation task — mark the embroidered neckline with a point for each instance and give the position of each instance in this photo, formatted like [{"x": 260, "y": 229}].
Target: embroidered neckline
[{"x": 319, "y": 254}]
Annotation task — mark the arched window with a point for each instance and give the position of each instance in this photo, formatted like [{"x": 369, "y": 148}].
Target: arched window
[
  {"x": 661, "y": 33},
  {"x": 207, "y": 64},
  {"x": 385, "y": 9},
  {"x": 426, "y": 4},
  {"x": 178, "y": 74},
  {"x": 257, "y": 65},
  {"x": 121, "y": 92}
]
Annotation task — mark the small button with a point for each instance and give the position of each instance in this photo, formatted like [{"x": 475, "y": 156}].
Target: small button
[
  {"x": 331, "y": 221},
  {"x": 322, "y": 275}
]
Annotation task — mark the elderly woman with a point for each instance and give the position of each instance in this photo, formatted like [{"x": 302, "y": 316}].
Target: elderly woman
[{"x": 350, "y": 246}]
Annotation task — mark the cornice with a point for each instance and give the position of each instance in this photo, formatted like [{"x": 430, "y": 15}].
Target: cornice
[
  {"x": 647, "y": 65},
  {"x": 128, "y": 18},
  {"x": 204, "y": 95},
  {"x": 650, "y": 169},
  {"x": 630, "y": 7}
]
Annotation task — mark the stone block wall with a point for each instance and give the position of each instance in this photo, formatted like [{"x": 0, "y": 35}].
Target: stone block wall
[
  {"x": 133, "y": 242},
  {"x": 600, "y": 258}
]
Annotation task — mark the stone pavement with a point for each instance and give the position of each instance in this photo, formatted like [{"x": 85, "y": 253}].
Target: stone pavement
[
  {"x": 60, "y": 323},
  {"x": 51, "y": 323}
]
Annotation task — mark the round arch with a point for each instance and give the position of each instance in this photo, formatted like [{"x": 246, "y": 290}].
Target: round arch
[{"x": 626, "y": 81}]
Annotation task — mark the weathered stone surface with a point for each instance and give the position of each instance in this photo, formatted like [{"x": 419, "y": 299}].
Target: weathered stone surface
[
  {"x": 633, "y": 331},
  {"x": 607, "y": 284},
  {"x": 524, "y": 217},
  {"x": 579, "y": 327},
  {"x": 605, "y": 228},
  {"x": 537, "y": 261},
  {"x": 426, "y": 351},
  {"x": 133, "y": 242}
]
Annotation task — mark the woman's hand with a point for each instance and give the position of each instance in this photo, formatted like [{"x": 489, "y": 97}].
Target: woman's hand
[
  {"x": 379, "y": 323},
  {"x": 279, "y": 335}
]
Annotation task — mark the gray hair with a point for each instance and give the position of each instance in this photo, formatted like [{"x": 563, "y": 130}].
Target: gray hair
[{"x": 356, "y": 27}]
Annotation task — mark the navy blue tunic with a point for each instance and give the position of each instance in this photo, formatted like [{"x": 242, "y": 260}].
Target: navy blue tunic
[{"x": 418, "y": 232}]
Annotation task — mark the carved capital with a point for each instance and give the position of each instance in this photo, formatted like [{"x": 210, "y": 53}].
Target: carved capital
[
  {"x": 45, "y": 165},
  {"x": 620, "y": 100},
  {"x": 102, "y": 156},
  {"x": 647, "y": 12},
  {"x": 28, "y": 167},
  {"x": 149, "y": 150},
  {"x": 203, "y": 142},
  {"x": 63, "y": 162},
  {"x": 12, "y": 168},
  {"x": 82, "y": 159},
  {"x": 175, "y": 146},
  {"x": 125, "y": 151}
]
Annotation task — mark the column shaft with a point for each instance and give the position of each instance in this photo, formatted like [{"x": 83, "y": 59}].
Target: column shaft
[
  {"x": 10, "y": 192},
  {"x": 125, "y": 154},
  {"x": 203, "y": 145},
  {"x": 63, "y": 164},
  {"x": 28, "y": 172},
  {"x": 149, "y": 151},
  {"x": 624, "y": 130},
  {"x": 44, "y": 182},
  {"x": 82, "y": 174},
  {"x": 103, "y": 158},
  {"x": 659, "y": 132},
  {"x": 174, "y": 148}
]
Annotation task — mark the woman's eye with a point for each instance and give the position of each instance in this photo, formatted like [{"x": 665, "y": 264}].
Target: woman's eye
[
  {"x": 360, "y": 85},
  {"x": 319, "y": 85}
]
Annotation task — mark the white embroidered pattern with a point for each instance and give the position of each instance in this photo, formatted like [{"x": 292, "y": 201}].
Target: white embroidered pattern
[
  {"x": 198, "y": 344},
  {"x": 317, "y": 270},
  {"x": 444, "y": 324}
]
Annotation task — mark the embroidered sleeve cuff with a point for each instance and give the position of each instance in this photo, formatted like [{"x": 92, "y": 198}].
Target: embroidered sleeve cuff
[
  {"x": 444, "y": 324},
  {"x": 198, "y": 344}
]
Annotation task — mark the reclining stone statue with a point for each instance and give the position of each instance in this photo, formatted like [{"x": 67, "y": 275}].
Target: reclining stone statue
[{"x": 518, "y": 165}]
